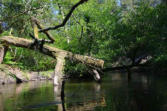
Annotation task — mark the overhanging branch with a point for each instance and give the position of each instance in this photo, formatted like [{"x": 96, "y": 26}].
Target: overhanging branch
[{"x": 66, "y": 18}]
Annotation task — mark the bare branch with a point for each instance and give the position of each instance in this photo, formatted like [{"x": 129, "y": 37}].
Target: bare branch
[{"x": 66, "y": 18}]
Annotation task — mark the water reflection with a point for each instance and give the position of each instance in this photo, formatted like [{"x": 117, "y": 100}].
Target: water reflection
[
  {"x": 143, "y": 93},
  {"x": 84, "y": 97},
  {"x": 60, "y": 96},
  {"x": 26, "y": 96}
]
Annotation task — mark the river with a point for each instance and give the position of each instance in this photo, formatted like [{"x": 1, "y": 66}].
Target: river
[{"x": 144, "y": 92}]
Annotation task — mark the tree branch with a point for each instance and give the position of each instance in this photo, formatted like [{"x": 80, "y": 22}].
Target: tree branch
[
  {"x": 45, "y": 32},
  {"x": 66, "y": 18}
]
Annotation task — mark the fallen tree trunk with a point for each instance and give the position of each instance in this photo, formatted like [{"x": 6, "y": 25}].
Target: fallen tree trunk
[
  {"x": 51, "y": 51},
  {"x": 56, "y": 53}
]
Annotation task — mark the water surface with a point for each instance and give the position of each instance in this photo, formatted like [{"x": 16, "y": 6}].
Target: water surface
[{"x": 143, "y": 93}]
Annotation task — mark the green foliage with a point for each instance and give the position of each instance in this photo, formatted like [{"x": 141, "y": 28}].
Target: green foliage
[
  {"x": 29, "y": 60},
  {"x": 106, "y": 30},
  {"x": 76, "y": 70},
  {"x": 8, "y": 59},
  {"x": 5, "y": 33},
  {"x": 159, "y": 63}
]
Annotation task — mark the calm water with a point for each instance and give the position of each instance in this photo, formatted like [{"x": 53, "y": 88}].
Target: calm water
[{"x": 143, "y": 93}]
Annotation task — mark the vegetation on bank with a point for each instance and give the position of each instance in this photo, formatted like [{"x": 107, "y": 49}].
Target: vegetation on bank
[
  {"x": 105, "y": 29},
  {"x": 11, "y": 74}
]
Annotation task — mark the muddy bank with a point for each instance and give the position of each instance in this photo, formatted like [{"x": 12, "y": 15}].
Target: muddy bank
[{"x": 10, "y": 74}]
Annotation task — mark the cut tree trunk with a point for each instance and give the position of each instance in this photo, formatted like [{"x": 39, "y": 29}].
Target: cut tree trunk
[
  {"x": 3, "y": 50},
  {"x": 56, "y": 53}
]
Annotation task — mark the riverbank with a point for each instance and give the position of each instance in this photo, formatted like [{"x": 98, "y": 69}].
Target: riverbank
[{"x": 9, "y": 74}]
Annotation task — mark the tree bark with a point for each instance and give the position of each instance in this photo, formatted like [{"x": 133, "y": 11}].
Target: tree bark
[{"x": 3, "y": 50}]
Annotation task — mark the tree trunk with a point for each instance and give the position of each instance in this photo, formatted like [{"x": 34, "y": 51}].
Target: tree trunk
[
  {"x": 3, "y": 50},
  {"x": 59, "y": 69}
]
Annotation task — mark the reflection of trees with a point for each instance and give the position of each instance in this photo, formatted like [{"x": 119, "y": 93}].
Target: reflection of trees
[
  {"x": 15, "y": 89},
  {"x": 89, "y": 105},
  {"x": 142, "y": 94},
  {"x": 17, "y": 95},
  {"x": 30, "y": 94},
  {"x": 80, "y": 100}
]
